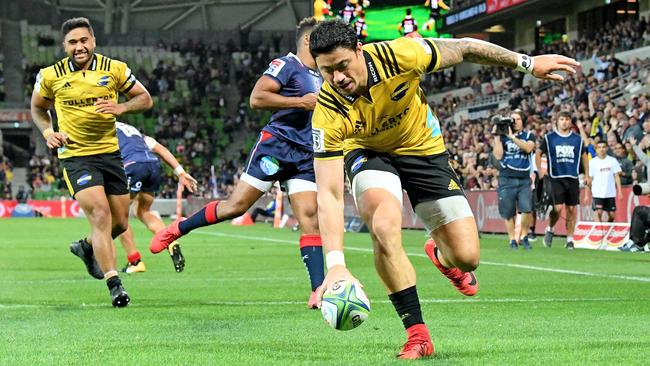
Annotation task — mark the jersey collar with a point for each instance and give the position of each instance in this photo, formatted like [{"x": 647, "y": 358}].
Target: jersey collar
[{"x": 93, "y": 64}]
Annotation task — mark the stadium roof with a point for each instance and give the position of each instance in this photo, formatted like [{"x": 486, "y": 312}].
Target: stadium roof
[{"x": 189, "y": 15}]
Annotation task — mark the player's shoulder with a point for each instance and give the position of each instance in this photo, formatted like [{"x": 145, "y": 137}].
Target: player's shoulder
[
  {"x": 108, "y": 64},
  {"x": 333, "y": 102},
  {"x": 56, "y": 70},
  {"x": 288, "y": 62},
  {"x": 399, "y": 55}
]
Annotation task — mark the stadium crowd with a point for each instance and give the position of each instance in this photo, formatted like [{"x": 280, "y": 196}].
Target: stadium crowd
[
  {"x": 601, "y": 45},
  {"x": 584, "y": 95},
  {"x": 199, "y": 118}
]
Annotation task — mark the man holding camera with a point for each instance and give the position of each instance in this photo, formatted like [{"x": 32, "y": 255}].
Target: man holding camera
[
  {"x": 564, "y": 150},
  {"x": 512, "y": 147}
]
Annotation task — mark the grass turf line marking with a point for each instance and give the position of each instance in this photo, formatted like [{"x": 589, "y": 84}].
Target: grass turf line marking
[
  {"x": 301, "y": 303},
  {"x": 520, "y": 266}
]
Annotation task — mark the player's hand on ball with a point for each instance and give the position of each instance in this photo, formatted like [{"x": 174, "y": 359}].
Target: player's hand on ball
[
  {"x": 109, "y": 107},
  {"x": 545, "y": 66},
  {"x": 334, "y": 274}
]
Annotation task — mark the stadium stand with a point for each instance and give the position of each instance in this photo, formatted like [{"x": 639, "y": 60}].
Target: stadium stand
[{"x": 207, "y": 121}]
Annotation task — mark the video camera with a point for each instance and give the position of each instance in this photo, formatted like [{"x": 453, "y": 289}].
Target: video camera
[
  {"x": 641, "y": 189},
  {"x": 502, "y": 124}
]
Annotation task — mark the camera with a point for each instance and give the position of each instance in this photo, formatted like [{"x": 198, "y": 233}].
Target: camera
[
  {"x": 641, "y": 189},
  {"x": 502, "y": 124}
]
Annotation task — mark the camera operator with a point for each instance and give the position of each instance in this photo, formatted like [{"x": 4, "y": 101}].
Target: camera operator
[
  {"x": 512, "y": 147},
  {"x": 640, "y": 223}
]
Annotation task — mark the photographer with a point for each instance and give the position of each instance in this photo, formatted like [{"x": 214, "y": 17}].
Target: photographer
[{"x": 512, "y": 147}]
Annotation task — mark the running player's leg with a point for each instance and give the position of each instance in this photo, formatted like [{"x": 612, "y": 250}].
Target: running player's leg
[
  {"x": 301, "y": 188},
  {"x": 94, "y": 203},
  {"x": 143, "y": 202},
  {"x": 302, "y": 196},
  {"x": 133, "y": 256},
  {"x": 242, "y": 198},
  {"x": 435, "y": 194},
  {"x": 262, "y": 170},
  {"x": 377, "y": 191},
  {"x": 119, "y": 206}
]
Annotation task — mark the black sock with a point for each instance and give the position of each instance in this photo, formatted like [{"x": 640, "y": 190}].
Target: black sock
[
  {"x": 113, "y": 282},
  {"x": 407, "y": 305}
]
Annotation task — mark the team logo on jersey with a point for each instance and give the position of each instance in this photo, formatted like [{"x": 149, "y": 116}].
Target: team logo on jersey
[
  {"x": 84, "y": 179},
  {"x": 318, "y": 138},
  {"x": 269, "y": 165},
  {"x": 400, "y": 91},
  {"x": 104, "y": 80},
  {"x": 358, "y": 162},
  {"x": 66, "y": 85},
  {"x": 274, "y": 67}
]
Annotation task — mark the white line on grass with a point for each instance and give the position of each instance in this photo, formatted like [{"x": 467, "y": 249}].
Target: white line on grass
[
  {"x": 520, "y": 266},
  {"x": 301, "y": 303}
]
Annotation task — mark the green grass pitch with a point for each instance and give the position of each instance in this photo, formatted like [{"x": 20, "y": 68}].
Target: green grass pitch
[{"x": 242, "y": 301}]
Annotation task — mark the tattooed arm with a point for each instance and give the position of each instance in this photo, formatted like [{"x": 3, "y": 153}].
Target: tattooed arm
[{"x": 455, "y": 51}]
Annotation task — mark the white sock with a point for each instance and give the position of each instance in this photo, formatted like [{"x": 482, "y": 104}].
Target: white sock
[
  {"x": 569, "y": 238},
  {"x": 548, "y": 228}
]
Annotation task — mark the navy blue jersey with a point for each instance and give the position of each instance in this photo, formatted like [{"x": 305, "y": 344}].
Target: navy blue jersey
[
  {"x": 296, "y": 80},
  {"x": 564, "y": 153},
  {"x": 133, "y": 147},
  {"x": 515, "y": 162}
]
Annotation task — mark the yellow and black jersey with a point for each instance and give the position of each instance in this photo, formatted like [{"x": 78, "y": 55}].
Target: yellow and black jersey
[
  {"x": 74, "y": 93},
  {"x": 394, "y": 118}
]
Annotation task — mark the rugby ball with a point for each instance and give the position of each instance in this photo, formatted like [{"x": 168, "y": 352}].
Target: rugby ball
[{"x": 345, "y": 306}]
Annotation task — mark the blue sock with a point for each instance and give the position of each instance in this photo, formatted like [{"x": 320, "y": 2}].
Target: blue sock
[
  {"x": 204, "y": 217},
  {"x": 311, "y": 250}
]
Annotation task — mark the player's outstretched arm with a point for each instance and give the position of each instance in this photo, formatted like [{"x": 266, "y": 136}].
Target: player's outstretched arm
[
  {"x": 329, "y": 180},
  {"x": 183, "y": 177},
  {"x": 40, "y": 109},
  {"x": 455, "y": 51},
  {"x": 266, "y": 95},
  {"x": 139, "y": 100}
]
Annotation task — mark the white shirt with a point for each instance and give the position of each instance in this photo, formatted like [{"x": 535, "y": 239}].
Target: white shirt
[{"x": 602, "y": 172}]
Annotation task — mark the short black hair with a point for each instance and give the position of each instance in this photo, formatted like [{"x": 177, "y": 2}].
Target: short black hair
[
  {"x": 408, "y": 11},
  {"x": 330, "y": 35},
  {"x": 305, "y": 25},
  {"x": 601, "y": 142},
  {"x": 74, "y": 23}
]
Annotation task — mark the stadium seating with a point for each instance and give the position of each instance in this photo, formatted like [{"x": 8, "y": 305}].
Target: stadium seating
[{"x": 213, "y": 115}]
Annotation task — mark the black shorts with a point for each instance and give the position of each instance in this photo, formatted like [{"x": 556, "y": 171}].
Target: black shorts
[
  {"x": 424, "y": 178},
  {"x": 605, "y": 204},
  {"x": 143, "y": 177},
  {"x": 81, "y": 172},
  {"x": 566, "y": 191}
]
